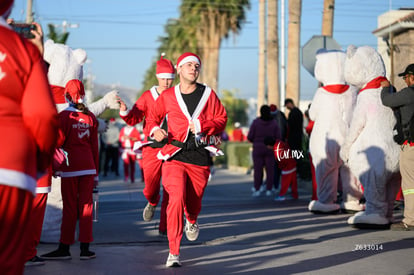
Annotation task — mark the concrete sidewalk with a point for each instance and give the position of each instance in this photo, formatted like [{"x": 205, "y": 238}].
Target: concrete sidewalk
[{"x": 239, "y": 234}]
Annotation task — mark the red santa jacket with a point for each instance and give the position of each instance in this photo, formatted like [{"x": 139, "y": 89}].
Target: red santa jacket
[
  {"x": 141, "y": 109},
  {"x": 28, "y": 117},
  {"x": 209, "y": 117},
  {"x": 128, "y": 136},
  {"x": 78, "y": 136},
  {"x": 284, "y": 157}
]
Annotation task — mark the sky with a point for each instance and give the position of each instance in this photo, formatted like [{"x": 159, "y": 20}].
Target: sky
[{"x": 121, "y": 37}]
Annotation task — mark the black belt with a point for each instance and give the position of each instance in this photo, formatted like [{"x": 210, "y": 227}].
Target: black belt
[
  {"x": 186, "y": 146},
  {"x": 156, "y": 144}
]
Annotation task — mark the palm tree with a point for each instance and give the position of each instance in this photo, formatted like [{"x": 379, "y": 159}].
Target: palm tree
[
  {"x": 261, "y": 72},
  {"x": 293, "y": 68},
  {"x": 212, "y": 20},
  {"x": 272, "y": 53},
  {"x": 60, "y": 38},
  {"x": 200, "y": 29}
]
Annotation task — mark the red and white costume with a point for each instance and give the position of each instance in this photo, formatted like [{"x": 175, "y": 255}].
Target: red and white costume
[
  {"x": 185, "y": 182},
  {"x": 29, "y": 118},
  {"x": 287, "y": 165},
  {"x": 78, "y": 136},
  {"x": 127, "y": 137}
]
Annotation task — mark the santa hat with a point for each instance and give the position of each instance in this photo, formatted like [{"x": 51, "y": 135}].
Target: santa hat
[
  {"x": 273, "y": 108},
  {"x": 188, "y": 57},
  {"x": 5, "y": 6},
  {"x": 74, "y": 91},
  {"x": 165, "y": 68}
]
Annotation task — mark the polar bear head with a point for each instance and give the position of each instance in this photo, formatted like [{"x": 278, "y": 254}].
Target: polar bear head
[
  {"x": 329, "y": 67},
  {"x": 64, "y": 63},
  {"x": 362, "y": 65}
]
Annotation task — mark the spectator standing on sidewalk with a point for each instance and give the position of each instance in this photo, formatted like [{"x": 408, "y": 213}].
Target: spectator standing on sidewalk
[
  {"x": 195, "y": 116},
  {"x": 78, "y": 136},
  {"x": 404, "y": 101},
  {"x": 111, "y": 139},
  {"x": 287, "y": 165},
  {"x": 263, "y": 157}
]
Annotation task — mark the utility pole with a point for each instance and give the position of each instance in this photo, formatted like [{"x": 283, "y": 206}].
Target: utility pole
[
  {"x": 273, "y": 90},
  {"x": 29, "y": 13},
  {"x": 261, "y": 85},
  {"x": 327, "y": 18},
  {"x": 282, "y": 56}
]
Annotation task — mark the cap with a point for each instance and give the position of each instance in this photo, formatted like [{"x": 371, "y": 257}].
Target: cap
[
  {"x": 5, "y": 5},
  {"x": 74, "y": 91},
  {"x": 188, "y": 57},
  {"x": 408, "y": 70},
  {"x": 273, "y": 108},
  {"x": 165, "y": 68}
]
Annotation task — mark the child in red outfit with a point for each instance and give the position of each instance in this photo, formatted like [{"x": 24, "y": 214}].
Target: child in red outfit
[
  {"x": 287, "y": 165},
  {"x": 78, "y": 136}
]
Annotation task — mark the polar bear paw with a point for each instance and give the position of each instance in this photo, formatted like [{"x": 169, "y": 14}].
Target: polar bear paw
[
  {"x": 363, "y": 220},
  {"x": 352, "y": 206},
  {"x": 323, "y": 208},
  {"x": 111, "y": 100}
]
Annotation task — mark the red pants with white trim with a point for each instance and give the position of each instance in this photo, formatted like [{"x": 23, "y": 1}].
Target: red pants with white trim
[
  {"x": 289, "y": 179},
  {"x": 35, "y": 224},
  {"x": 185, "y": 183},
  {"x": 15, "y": 209},
  {"x": 151, "y": 166},
  {"x": 77, "y": 202}
]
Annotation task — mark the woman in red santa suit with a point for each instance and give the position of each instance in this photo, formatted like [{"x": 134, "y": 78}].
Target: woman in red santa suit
[
  {"x": 151, "y": 165},
  {"x": 27, "y": 148},
  {"x": 78, "y": 136},
  {"x": 127, "y": 137},
  {"x": 195, "y": 115}
]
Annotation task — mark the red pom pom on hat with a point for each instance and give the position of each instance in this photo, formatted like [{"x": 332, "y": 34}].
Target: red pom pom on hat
[
  {"x": 74, "y": 91},
  {"x": 188, "y": 57},
  {"x": 165, "y": 68},
  {"x": 5, "y": 5}
]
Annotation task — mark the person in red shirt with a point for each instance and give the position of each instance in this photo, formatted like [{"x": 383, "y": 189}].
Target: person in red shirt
[
  {"x": 151, "y": 165},
  {"x": 127, "y": 138},
  {"x": 28, "y": 119},
  {"x": 78, "y": 136},
  {"x": 287, "y": 165},
  {"x": 238, "y": 135}
]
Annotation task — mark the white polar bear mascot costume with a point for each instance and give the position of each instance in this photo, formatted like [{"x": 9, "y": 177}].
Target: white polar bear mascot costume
[
  {"x": 369, "y": 147},
  {"x": 66, "y": 64},
  {"x": 331, "y": 110}
]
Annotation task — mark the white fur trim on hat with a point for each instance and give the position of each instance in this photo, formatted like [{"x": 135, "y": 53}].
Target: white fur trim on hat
[
  {"x": 165, "y": 75},
  {"x": 190, "y": 58}
]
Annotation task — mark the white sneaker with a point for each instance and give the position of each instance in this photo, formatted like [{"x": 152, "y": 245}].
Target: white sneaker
[
  {"x": 269, "y": 193},
  {"x": 280, "y": 198},
  {"x": 263, "y": 188},
  {"x": 173, "y": 261},
  {"x": 191, "y": 231},
  {"x": 256, "y": 193}
]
